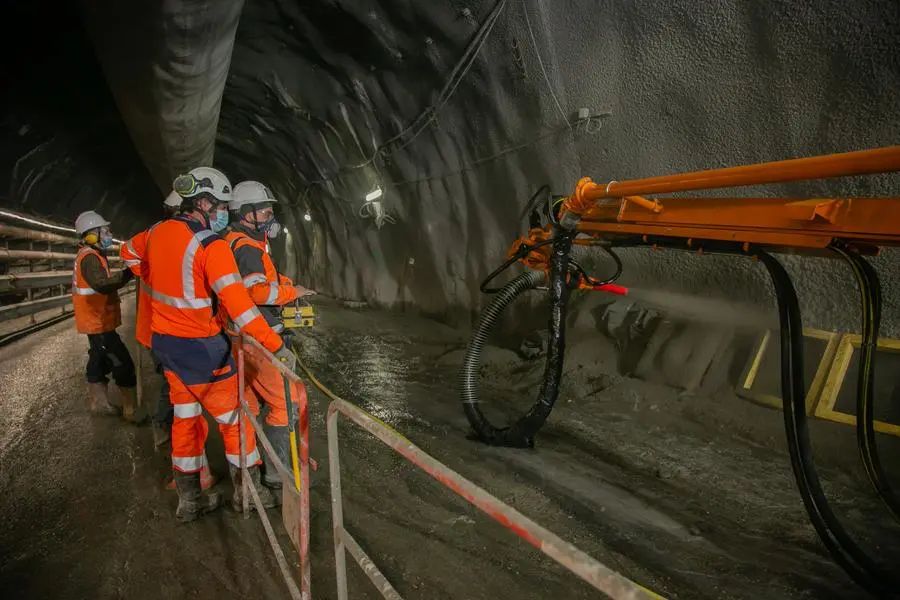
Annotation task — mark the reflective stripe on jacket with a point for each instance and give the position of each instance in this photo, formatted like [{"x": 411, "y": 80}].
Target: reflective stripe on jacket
[
  {"x": 94, "y": 312},
  {"x": 132, "y": 253},
  {"x": 266, "y": 287},
  {"x": 190, "y": 268}
]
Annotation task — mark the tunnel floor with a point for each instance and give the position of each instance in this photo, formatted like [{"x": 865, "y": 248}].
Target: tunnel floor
[{"x": 689, "y": 495}]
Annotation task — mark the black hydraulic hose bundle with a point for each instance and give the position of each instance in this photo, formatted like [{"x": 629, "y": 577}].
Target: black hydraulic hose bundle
[
  {"x": 837, "y": 541},
  {"x": 521, "y": 433},
  {"x": 870, "y": 292}
]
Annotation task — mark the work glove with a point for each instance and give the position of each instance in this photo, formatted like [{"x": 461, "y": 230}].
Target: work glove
[
  {"x": 302, "y": 291},
  {"x": 286, "y": 357}
]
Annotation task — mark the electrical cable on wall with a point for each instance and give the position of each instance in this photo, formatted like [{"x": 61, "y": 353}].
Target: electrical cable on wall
[
  {"x": 537, "y": 53},
  {"x": 470, "y": 166},
  {"x": 428, "y": 115}
]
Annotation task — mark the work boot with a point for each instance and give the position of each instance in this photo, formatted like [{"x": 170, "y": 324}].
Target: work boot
[
  {"x": 129, "y": 405},
  {"x": 281, "y": 441},
  {"x": 192, "y": 502},
  {"x": 98, "y": 393},
  {"x": 265, "y": 494}
]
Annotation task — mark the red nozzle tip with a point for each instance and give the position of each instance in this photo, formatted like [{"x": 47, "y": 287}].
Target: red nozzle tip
[{"x": 612, "y": 288}]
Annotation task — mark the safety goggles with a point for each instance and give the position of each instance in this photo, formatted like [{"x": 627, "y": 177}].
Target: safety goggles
[{"x": 187, "y": 185}]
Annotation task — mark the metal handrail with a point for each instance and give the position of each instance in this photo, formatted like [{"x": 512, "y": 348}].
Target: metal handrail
[
  {"x": 587, "y": 568},
  {"x": 303, "y": 591}
]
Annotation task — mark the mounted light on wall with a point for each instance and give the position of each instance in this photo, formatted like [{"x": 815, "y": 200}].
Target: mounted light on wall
[
  {"x": 372, "y": 208},
  {"x": 307, "y": 217}
]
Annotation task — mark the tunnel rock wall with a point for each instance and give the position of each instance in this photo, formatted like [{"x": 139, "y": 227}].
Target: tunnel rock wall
[{"x": 317, "y": 92}]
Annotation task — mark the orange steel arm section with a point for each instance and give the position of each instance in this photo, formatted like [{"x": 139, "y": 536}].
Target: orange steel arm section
[
  {"x": 802, "y": 224},
  {"x": 863, "y": 162},
  {"x": 807, "y": 225}
]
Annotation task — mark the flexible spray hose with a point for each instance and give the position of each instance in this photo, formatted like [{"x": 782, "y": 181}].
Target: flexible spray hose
[
  {"x": 472, "y": 364},
  {"x": 521, "y": 433},
  {"x": 835, "y": 538},
  {"x": 870, "y": 292}
]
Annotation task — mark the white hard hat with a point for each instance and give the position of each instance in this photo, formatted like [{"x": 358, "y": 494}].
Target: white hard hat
[
  {"x": 250, "y": 192},
  {"x": 89, "y": 220},
  {"x": 203, "y": 181},
  {"x": 173, "y": 200}
]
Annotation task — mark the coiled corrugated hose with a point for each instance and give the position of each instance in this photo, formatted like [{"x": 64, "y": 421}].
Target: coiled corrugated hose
[
  {"x": 472, "y": 364},
  {"x": 521, "y": 433}
]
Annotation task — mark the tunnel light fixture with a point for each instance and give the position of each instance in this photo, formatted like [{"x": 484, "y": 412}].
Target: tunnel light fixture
[
  {"x": 374, "y": 194},
  {"x": 44, "y": 223},
  {"x": 307, "y": 217}
]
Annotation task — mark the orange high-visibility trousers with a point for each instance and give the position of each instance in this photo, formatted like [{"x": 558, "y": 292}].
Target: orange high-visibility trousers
[
  {"x": 202, "y": 375},
  {"x": 264, "y": 383}
]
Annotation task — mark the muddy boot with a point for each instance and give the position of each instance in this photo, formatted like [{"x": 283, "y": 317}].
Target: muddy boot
[
  {"x": 281, "y": 441},
  {"x": 129, "y": 405},
  {"x": 265, "y": 494},
  {"x": 192, "y": 502},
  {"x": 100, "y": 405}
]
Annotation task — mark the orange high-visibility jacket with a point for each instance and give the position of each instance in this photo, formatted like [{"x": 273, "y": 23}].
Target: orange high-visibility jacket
[
  {"x": 94, "y": 312},
  {"x": 267, "y": 288},
  {"x": 190, "y": 268},
  {"x": 132, "y": 253}
]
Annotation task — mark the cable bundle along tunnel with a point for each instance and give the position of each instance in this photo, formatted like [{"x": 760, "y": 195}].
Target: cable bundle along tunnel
[{"x": 496, "y": 299}]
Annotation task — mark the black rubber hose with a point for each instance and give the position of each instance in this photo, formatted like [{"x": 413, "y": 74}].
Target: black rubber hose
[
  {"x": 522, "y": 252},
  {"x": 837, "y": 541},
  {"x": 870, "y": 292},
  {"x": 521, "y": 433}
]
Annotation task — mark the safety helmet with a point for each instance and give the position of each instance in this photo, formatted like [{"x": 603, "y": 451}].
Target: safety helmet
[
  {"x": 173, "y": 200},
  {"x": 250, "y": 193},
  {"x": 203, "y": 182},
  {"x": 89, "y": 220}
]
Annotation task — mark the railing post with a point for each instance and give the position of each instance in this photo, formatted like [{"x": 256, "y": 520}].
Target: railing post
[
  {"x": 139, "y": 353},
  {"x": 30, "y": 292},
  {"x": 305, "y": 562},
  {"x": 337, "y": 507},
  {"x": 245, "y": 474}
]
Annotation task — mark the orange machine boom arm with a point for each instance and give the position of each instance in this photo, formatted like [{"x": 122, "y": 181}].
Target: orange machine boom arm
[{"x": 809, "y": 225}]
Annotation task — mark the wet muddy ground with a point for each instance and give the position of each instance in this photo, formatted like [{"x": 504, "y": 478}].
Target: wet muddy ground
[{"x": 689, "y": 495}]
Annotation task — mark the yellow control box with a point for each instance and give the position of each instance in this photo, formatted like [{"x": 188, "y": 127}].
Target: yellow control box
[{"x": 298, "y": 315}]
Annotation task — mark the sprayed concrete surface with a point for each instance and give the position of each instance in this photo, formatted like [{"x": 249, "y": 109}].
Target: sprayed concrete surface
[{"x": 689, "y": 495}]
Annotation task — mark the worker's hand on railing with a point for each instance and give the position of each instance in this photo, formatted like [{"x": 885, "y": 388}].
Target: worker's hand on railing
[
  {"x": 302, "y": 291},
  {"x": 286, "y": 357}
]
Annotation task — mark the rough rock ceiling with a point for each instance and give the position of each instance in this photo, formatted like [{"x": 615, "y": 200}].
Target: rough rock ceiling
[
  {"x": 63, "y": 146},
  {"x": 326, "y": 99}
]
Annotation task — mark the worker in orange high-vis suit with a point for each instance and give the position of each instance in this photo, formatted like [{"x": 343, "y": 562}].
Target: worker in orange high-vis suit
[
  {"x": 132, "y": 253},
  {"x": 95, "y": 301},
  {"x": 190, "y": 270},
  {"x": 253, "y": 224}
]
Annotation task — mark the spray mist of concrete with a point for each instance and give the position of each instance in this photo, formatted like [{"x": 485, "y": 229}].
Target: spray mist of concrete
[{"x": 711, "y": 310}]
